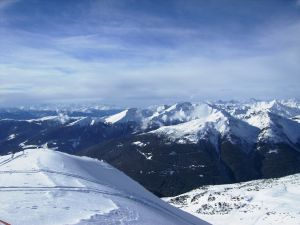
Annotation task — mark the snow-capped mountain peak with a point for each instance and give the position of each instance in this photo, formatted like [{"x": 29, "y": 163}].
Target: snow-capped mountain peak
[
  {"x": 209, "y": 124},
  {"x": 117, "y": 117},
  {"x": 251, "y": 122}
]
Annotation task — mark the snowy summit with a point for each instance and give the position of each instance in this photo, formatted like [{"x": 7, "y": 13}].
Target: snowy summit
[{"x": 41, "y": 186}]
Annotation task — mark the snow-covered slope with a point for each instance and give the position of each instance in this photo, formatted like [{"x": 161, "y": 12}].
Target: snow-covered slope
[
  {"x": 277, "y": 120},
  {"x": 187, "y": 145},
  {"x": 260, "y": 202},
  {"x": 138, "y": 116},
  {"x": 180, "y": 113},
  {"x": 162, "y": 115},
  {"x": 253, "y": 122},
  {"x": 247, "y": 122},
  {"x": 41, "y": 186},
  {"x": 209, "y": 126}
]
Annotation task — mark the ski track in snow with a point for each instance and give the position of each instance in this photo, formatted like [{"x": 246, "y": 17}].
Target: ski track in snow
[
  {"x": 11, "y": 158},
  {"x": 49, "y": 183},
  {"x": 87, "y": 190}
]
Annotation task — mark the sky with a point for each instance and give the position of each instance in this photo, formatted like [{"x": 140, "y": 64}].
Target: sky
[{"x": 144, "y": 52}]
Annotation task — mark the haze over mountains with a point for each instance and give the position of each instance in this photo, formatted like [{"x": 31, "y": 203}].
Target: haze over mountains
[{"x": 169, "y": 149}]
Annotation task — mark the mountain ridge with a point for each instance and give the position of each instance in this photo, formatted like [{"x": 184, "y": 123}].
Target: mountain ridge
[
  {"x": 179, "y": 147},
  {"x": 42, "y": 186}
]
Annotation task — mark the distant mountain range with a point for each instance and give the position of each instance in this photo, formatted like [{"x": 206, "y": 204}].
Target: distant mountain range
[{"x": 169, "y": 149}]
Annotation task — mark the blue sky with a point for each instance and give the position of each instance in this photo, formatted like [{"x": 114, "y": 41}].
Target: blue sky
[{"x": 142, "y": 52}]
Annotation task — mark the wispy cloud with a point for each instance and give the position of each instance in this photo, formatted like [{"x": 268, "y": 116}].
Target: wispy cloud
[
  {"x": 117, "y": 54},
  {"x": 6, "y": 3}
]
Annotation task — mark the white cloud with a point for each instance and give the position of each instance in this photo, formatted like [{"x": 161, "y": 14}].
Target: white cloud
[{"x": 104, "y": 65}]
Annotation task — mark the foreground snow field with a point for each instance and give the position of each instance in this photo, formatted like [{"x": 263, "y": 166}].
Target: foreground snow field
[
  {"x": 260, "y": 202},
  {"x": 41, "y": 186}
]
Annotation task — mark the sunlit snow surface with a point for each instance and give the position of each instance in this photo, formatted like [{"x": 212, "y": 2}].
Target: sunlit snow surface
[
  {"x": 260, "y": 202},
  {"x": 274, "y": 121},
  {"x": 41, "y": 186},
  {"x": 115, "y": 118}
]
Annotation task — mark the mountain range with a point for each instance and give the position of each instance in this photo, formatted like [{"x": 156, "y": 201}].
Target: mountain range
[{"x": 169, "y": 149}]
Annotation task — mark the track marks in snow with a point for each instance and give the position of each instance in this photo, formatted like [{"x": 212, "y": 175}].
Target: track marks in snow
[
  {"x": 51, "y": 172},
  {"x": 143, "y": 201},
  {"x": 12, "y": 158}
]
